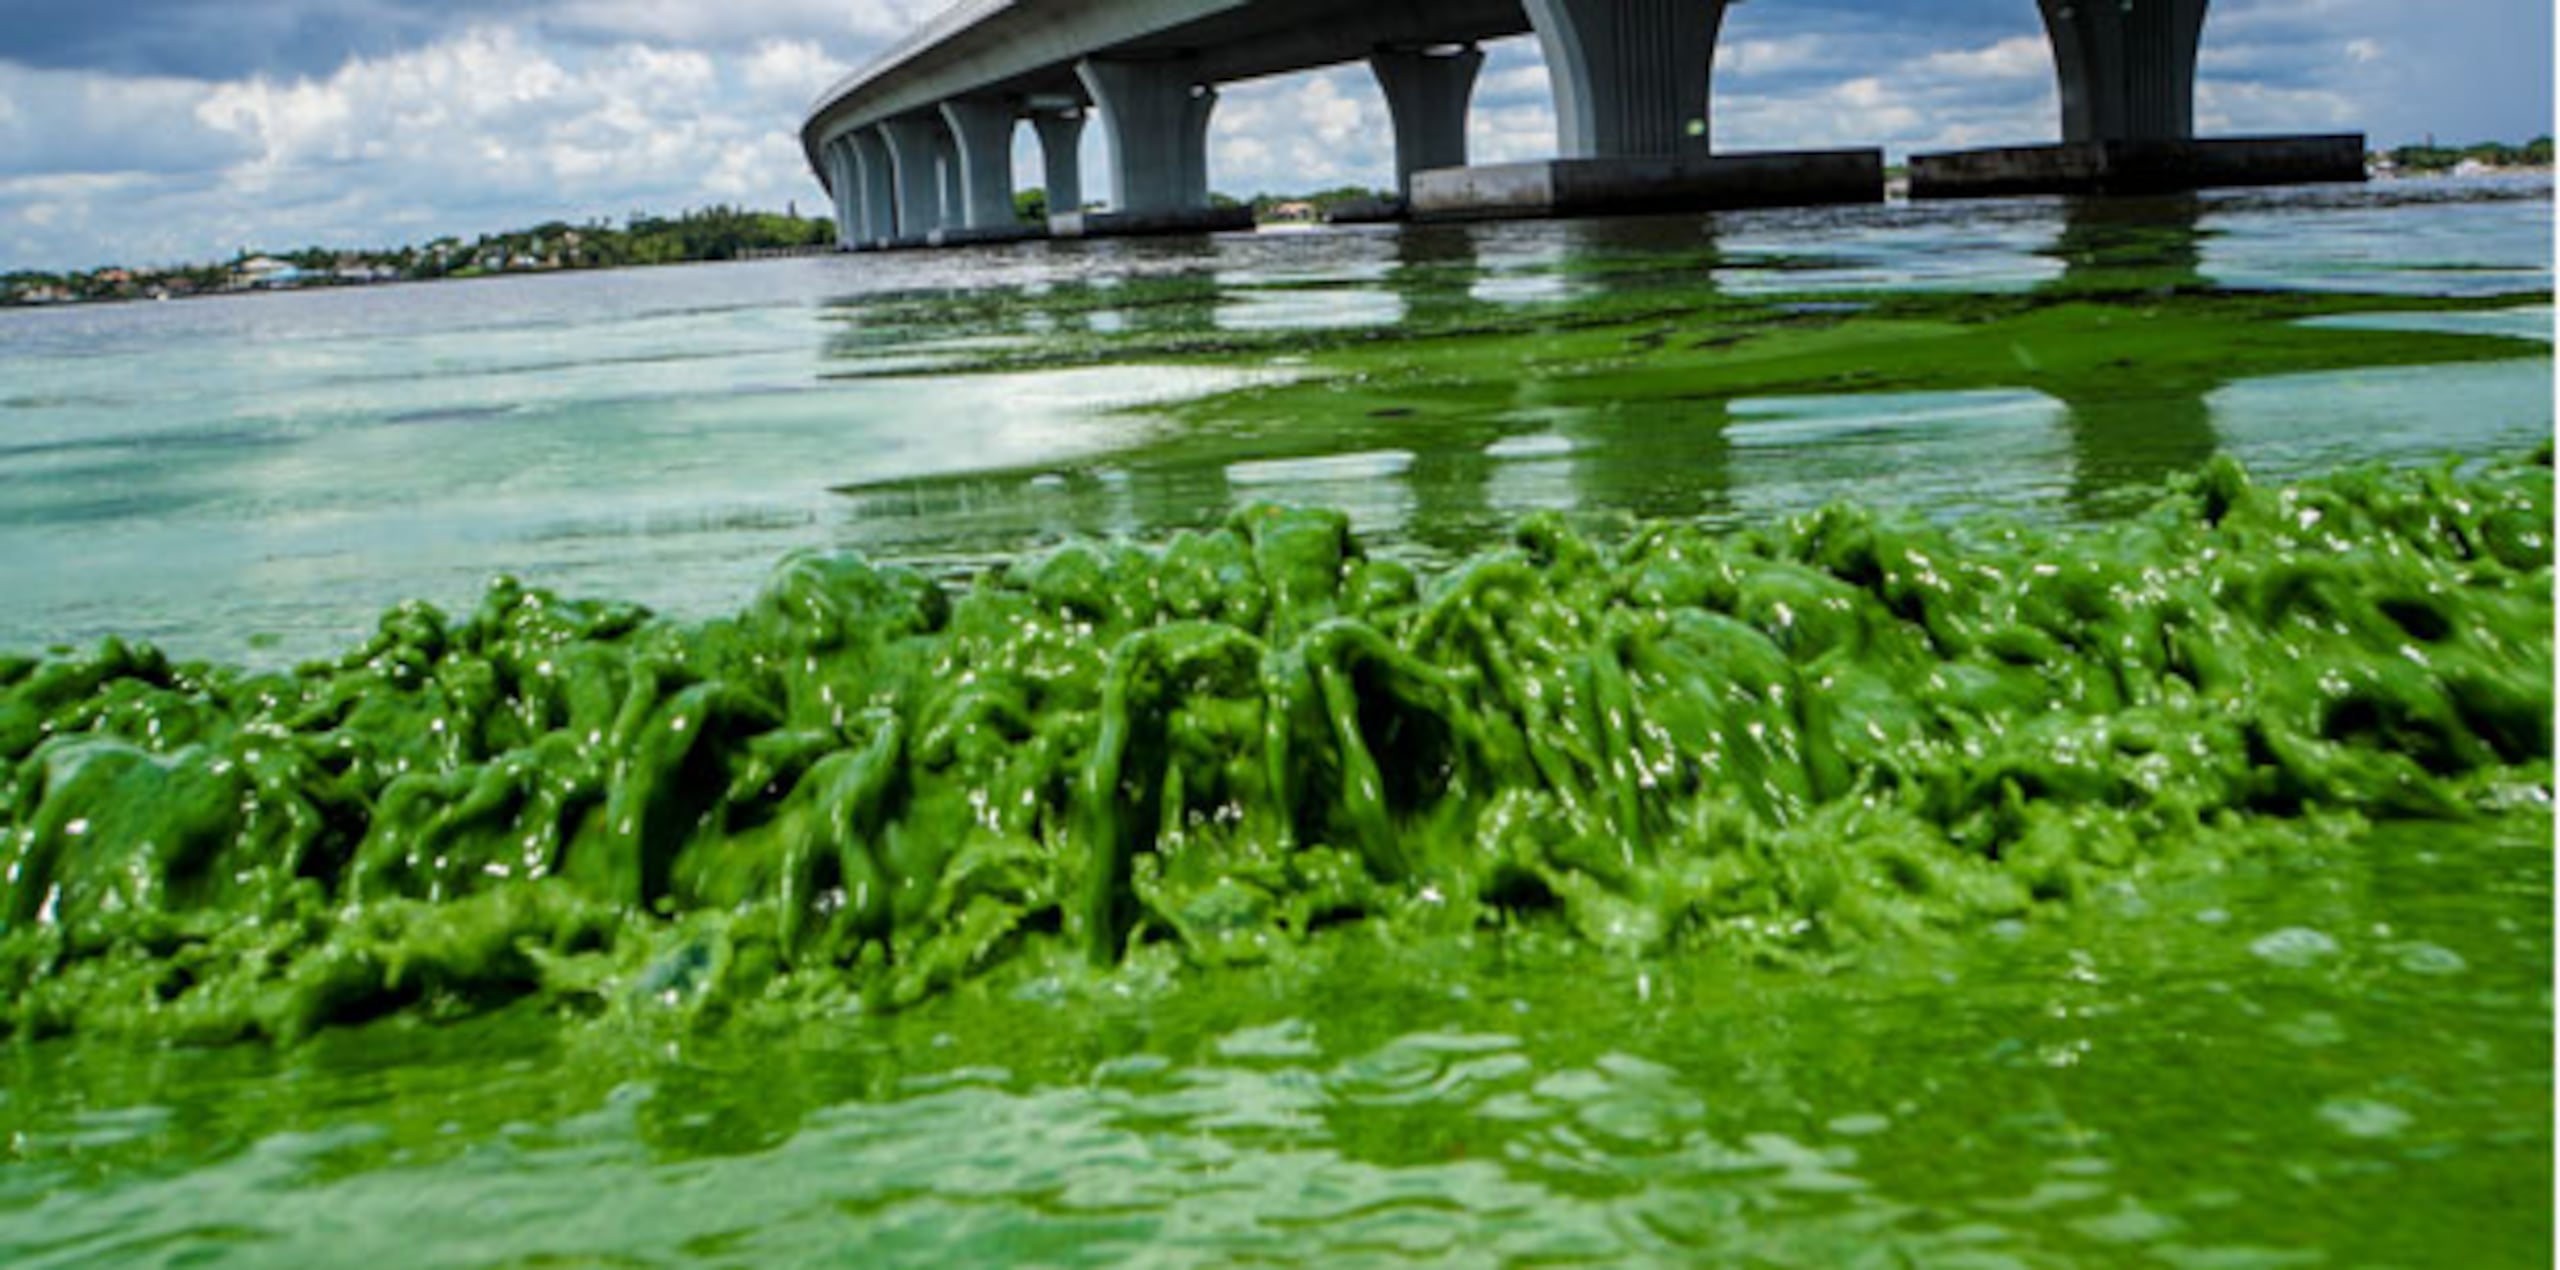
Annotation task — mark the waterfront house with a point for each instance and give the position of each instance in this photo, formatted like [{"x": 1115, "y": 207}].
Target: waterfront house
[{"x": 261, "y": 272}]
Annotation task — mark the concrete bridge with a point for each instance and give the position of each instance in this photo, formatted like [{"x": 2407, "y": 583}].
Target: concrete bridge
[{"x": 917, "y": 148}]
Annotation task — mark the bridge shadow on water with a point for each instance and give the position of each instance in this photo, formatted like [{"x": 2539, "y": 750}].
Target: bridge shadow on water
[{"x": 1433, "y": 451}]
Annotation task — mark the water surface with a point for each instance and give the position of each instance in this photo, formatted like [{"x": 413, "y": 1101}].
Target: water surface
[
  {"x": 2339, "y": 1057},
  {"x": 257, "y": 476}
]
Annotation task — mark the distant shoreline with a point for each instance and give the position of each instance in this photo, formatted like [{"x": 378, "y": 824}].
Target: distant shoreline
[
  {"x": 331, "y": 288},
  {"x": 21, "y": 299},
  {"x": 708, "y": 235}
]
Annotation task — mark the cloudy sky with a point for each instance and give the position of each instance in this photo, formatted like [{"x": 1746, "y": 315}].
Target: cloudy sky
[{"x": 158, "y": 131}]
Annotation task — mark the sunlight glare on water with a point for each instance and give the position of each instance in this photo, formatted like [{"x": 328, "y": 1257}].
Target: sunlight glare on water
[{"x": 257, "y": 476}]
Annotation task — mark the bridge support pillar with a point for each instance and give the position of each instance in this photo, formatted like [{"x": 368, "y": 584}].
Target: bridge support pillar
[
  {"x": 1427, "y": 100},
  {"x": 875, "y": 188},
  {"x": 1630, "y": 76},
  {"x": 1630, "y": 81},
  {"x": 1061, "y": 166},
  {"x": 982, "y": 133},
  {"x": 859, "y": 228},
  {"x": 946, "y": 159},
  {"x": 1193, "y": 149},
  {"x": 840, "y": 187},
  {"x": 1155, "y": 115},
  {"x": 1147, "y": 116},
  {"x": 2127, "y": 71},
  {"x": 2127, "y": 74},
  {"x": 915, "y": 162}
]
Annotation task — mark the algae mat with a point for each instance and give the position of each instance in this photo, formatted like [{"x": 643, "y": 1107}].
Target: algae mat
[{"x": 863, "y": 789}]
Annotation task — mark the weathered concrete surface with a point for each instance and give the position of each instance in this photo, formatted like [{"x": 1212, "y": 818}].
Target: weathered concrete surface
[
  {"x": 841, "y": 185},
  {"x": 1589, "y": 187},
  {"x": 915, "y": 172},
  {"x": 1630, "y": 76},
  {"x": 1427, "y": 96},
  {"x": 956, "y": 236},
  {"x": 1368, "y": 211},
  {"x": 1155, "y": 119},
  {"x": 1060, "y": 131},
  {"x": 1188, "y": 220},
  {"x": 2126, "y": 71},
  {"x": 982, "y": 134},
  {"x": 2138, "y": 167}
]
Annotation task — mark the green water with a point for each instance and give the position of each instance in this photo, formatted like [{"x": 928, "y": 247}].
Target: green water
[
  {"x": 2012, "y": 865},
  {"x": 2336, "y": 1060}
]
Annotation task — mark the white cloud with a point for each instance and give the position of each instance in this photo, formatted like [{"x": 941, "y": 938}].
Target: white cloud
[
  {"x": 790, "y": 72},
  {"x": 1512, "y": 75},
  {"x": 1294, "y": 133},
  {"x": 1771, "y": 56},
  {"x": 690, "y": 22},
  {"x": 2019, "y": 57},
  {"x": 489, "y": 129},
  {"x": 68, "y": 121},
  {"x": 1511, "y": 134},
  {"x": 2248, "y": 108},
  {"x": 35, "y": 209}
]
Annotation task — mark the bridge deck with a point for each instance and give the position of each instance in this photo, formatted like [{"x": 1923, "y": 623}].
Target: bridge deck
[{"x": 1029, "y": 48}]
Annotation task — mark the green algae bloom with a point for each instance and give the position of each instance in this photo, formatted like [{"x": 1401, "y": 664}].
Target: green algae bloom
[{"x": 1790, "y": 741}]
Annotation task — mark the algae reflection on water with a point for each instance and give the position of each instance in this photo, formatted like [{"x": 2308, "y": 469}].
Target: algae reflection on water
[{"x": 1443, "y": 387}]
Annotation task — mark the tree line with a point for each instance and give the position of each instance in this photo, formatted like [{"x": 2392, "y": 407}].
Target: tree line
[
  {"x": 2431, "y": 157},
  {"x": 710, "y": 233}
]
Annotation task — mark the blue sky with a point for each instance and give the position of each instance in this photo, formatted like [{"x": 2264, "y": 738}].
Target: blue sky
[{"x": 157, "y": 131}]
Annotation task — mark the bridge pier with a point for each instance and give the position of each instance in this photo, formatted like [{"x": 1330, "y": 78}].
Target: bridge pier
[
  {"x": 874, "y": 194},
  {"x": 840, "y": 180},
  {"x": 915, "y": 162},
  {"x": 2127, "y": 74},
  {"x": 1062, "y": 168},
  {"x": 1631, "y": 95},
  {"x": 1630, "y": 76},
  {"x": 1155, "y": 114},
  {"x": 1192, "y": 151},
  {"x": 982, "y": 134},
  {"x": 946, "y": 166},
  {"x": 1427, "y": 103},
  {"x": 856, "y": 218}
]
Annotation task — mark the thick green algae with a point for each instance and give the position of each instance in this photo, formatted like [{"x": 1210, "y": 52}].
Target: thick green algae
[{"x": 1840, "y": 728}]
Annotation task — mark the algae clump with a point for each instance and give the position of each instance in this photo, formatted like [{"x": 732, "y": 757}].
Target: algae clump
[{"x": 1790, "y": 740}]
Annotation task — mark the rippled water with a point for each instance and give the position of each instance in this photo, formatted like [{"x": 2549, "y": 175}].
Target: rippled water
[
  {"x": 2339, "y": 1061},
  {"x": 259, "y": 476},
  {"x": 2342, "y": 1060}
]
